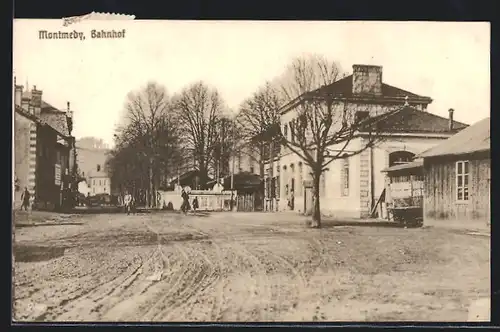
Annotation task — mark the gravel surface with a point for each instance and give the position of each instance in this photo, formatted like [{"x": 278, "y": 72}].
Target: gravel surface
[{"x": 244, "y": 267}]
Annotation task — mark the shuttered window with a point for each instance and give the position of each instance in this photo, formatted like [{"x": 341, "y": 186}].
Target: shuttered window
[{"x": 345, "y": 176}]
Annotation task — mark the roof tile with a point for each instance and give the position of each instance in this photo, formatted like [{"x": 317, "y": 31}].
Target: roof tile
[{"x": 475, "y": 138}]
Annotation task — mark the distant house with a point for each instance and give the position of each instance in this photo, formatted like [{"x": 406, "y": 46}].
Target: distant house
[
  {"x": 98, "y": 182},
  {"x": 457, "y": 175},
  {"x": 92, "y": 154}
]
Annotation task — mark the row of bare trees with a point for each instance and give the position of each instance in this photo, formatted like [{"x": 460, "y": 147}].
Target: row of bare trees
[{"x": 160, "y": 131}]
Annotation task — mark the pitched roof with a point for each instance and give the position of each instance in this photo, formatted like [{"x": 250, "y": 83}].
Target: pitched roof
[
  {"x": 97, "y": 174},
  {"x": 410, "y": 165},
  {"x": 56, "y": 120},
  {"x": 475, "y": 138},
  {"x": 411, "y": 120},
  {"x": 45, "y": 105},
  {"x": 52, "y": 116},
  {"x": 343, "y": 88}
]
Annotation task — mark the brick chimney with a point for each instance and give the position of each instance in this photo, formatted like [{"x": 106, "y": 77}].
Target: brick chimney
[
  {"x": 69, "y": 116},
  {"x": 367, "y": 80},
  {"x": 450, "y": 122},
  {"x": 25, "y": 104},
  {"x": 18, "y": 94},
  {"x": 36, "y": 101}
]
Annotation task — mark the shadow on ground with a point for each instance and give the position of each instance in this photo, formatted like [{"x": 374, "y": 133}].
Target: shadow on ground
[
  {"x": 30, "y": 253},
  {"x": 50, "y": 224},
  {"x": 354, "y": 223}
]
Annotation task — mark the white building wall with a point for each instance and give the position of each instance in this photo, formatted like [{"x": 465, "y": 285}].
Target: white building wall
[
  {"x": 100, "y": 185},
  {"x": 357, "y": 203}
]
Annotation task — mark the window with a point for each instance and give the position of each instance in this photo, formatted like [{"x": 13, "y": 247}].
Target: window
[
  {"x": 292, "y": 133},
  {"x": 99, "y": 182},
  {"x": 278, "y": 186},
  {"x": 252, "y": 169},
  {"x": 345, "y": 176},
  {"x": 462, "y": 180},
  {"x": 93, "y": 182},
  {"x": 98, "y": 167}
]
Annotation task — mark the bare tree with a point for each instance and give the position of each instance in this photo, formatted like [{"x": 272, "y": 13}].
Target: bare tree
[
  {"x": 225, "y": 146},
  {"x": 146, "y": 140},
  {"x": 324, "y": 126},
  {"x": 256, "y": 116},
  {"x": 199, "y": 109}
]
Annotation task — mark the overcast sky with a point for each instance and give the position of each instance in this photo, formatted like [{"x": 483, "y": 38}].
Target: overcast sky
[{"x": 448, "y": 62}]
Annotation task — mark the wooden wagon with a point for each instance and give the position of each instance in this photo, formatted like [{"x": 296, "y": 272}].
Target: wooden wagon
[{"x": 404, "y": 193}]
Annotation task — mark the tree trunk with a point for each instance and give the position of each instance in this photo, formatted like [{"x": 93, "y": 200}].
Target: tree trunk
[
  {"x": 316, "y": 222},
  {"x": 150, "y": 185}
]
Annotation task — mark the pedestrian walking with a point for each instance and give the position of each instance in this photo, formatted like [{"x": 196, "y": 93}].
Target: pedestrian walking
[
  {"x": 127, "y": 200},
  {"x": 25, "y": 199},
  {"x": 195, "y": 204},
  {"x": 185, "y": 201}
]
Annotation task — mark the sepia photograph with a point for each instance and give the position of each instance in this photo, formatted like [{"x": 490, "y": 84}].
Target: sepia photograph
[{"x": 250, "y": 171}]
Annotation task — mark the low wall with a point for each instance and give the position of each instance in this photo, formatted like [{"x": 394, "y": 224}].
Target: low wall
[{"x": 207, "y": 200}]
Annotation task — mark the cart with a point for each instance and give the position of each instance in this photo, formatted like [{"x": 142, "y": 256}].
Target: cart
[{"x": 404, "y": 198}]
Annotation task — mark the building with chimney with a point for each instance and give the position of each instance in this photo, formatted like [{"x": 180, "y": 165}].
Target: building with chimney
[
  {"x": 352, "y": 186},
  {"x": 43, "y": 150}
]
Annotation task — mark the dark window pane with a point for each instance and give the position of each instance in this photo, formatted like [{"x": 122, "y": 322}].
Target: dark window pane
[
  {"x": 466, "y": 194},
  {"x": 459, "y": 194},
  {"x": 466, "y": 180},
  {"x": 466, "y": 166},
  {"x": 459, "y": 168},
  {"x": 459, "y": 181}
]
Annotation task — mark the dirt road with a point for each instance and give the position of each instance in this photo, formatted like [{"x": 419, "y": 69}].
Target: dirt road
[{"x": 244, "y": 267}]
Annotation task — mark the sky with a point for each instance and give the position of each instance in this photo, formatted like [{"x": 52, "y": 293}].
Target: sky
[{"x": 449, "y": 62}]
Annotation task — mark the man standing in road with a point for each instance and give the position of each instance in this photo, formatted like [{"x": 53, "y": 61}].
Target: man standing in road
[
  {"x": 25, "y": 199},
  {"x": 127, "y": 200},
  {"x": 185, "y": 201}
]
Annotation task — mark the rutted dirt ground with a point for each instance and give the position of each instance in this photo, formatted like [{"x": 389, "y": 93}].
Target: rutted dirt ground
[{"x": 244, "y": 267}]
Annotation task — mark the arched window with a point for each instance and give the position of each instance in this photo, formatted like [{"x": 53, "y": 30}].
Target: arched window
[
  {"x": 345, "y": 176},
  {"x": 98, "y": 167},
  {"x": 400, "y": 157}
]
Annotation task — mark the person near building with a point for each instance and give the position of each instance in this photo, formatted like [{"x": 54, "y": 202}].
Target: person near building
[
  {"x": 195, "y": 204},
  {"x": 25, "y": 199},
  {"x": 127, "y": 200},
  {"x": 185, "y": 201}
]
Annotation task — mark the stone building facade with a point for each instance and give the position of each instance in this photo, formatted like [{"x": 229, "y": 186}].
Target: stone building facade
[
  {"x": 42, "y": 150},
  {"x": 92, "y": 155}
]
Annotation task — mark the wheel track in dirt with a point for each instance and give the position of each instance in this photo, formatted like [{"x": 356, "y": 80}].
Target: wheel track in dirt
[
  {"x": 106, "y": 294},
  {"x": 179, "y": 293},
  {"x": 100, "y": 294},
  {"x": 284, "y": 262},
  {"x": 199, "y": 283},
  {"x": 261, "y": 271},
  {"x": 55, "y": 310},
  {"x": 148, "y": 312}
]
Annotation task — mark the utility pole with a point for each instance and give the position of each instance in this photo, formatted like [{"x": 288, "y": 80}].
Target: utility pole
[{"x": 232, "y": 162}]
